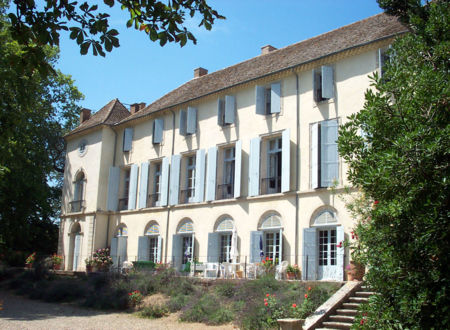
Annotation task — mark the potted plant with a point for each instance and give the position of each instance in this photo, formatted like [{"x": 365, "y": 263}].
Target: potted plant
[
  {"x": 102, "y": 260},
  {"x": 89, "y": 265},
  {"x": 56, "y": 261},
  {"x": 292, "y": 272},
  {"x": 30, "y": 260},
  {"x": 355, "y": 271}
]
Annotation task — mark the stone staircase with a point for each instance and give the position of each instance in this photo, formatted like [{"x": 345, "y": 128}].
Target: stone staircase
[{"x": 344, "y": 315}]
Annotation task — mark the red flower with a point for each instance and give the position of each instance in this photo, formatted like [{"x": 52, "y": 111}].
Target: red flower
[
  {"x": 294, "y": 305},
  {"x": 375, "y": 203},
  {"x": 362, "y": 321},
  {"x": 309, "y": 288},
  {"x": 265, "y": 304},
  {"x": 267, "y": 258},
  {"x": 265, "y": 299},
  {"x": 306, "y": 296},
  {"x": 339, "y": 245},
  {"x": 267, "y": 295}
]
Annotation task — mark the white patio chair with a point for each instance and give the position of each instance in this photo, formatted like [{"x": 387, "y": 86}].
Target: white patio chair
[
  {"x": 211, "y": 268},
  {"x": 252, "y": 271},
  {"x": 280, "y": 270},
  {"x": 226, "y": 270}
]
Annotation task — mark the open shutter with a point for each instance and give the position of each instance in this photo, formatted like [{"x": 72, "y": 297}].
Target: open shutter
[
  {"x": 237, "y": 168},
  {"x": 158, "y": 129},
  {"x": 220, "y": 112},
  {"x": 177, "y": 242},
  {"x": 213, "y": 247},
  {"x": 113, "y": 253},
  {"x": 340, "y": 254},
  {"x": 309, "y": 267},
  {"x": 275, "y": 98},
  {"x": 122, "y": 249},
  {"x": 314, "y": 156},
  {"x": 329, "y": 164},
  {"x": 76, "y": 252},
  {"x": 133, "y": 187},
  {"x": 143, "y": 185},
  {"x": 113, "y": 188},
  {"x": 200, "y": 176},
  {"x": 260, "y": 100},
  {"x": 193, "y": 248},
  {"x": 127, "y": 138},
  {"x": 281, "y": 247},
  {"x": 327, "y": 82},
  {"x": 183, "y": 121},
  {"x": 158, "y": 255},
  {"x": 191, "y": 126},
  {"x": 211, "y": 172},
  {"x": 285, "y": 160},
  {"x": 230, "y": 109},
  {"x": 316, "y": 85},
  {"x": 253, "y": 175},
  {"x": 164, "y": 188},
  {"x": 174, "y": 179},
  {"x": 143, "y": 248},
  {"x": 255, "y": 238}
]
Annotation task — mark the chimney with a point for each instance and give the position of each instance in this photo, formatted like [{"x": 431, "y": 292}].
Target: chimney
[
  {"x": 267, "y": 49},
  {"x": 135, "y": 107},
  {"x": 200, "y": 72},
  {"x": 85, "y": 114}
]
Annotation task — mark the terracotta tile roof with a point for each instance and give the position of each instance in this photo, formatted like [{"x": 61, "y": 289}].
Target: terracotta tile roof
[
  {"x": 110, "y": 114},
  {"x": 360, "y": 33}
]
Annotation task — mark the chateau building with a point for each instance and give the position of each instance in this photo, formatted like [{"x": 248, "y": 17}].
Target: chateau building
[{"x": 250, "y": 149}]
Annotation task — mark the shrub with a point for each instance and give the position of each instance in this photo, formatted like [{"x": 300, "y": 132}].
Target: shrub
[
  {"x": 177, "y": 302},
  {"x": 154, "y": 311},
  {"x": 226, "y": 289},
  {"x": 144, "y": 265},
  {"x": 135, "y": 297}
]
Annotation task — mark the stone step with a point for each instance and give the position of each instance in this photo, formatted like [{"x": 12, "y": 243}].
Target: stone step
[
  {"x": 337, "y": 325},
  {"x": 366, "y": 294},
  {"x": 358, "y": 299},
  {"x": 342, "y": 318},
  {"x": 351, "y": 312},
  {"x": 350, "y": 305}
]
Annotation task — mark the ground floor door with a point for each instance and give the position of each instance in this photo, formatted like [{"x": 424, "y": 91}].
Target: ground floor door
[
  {"x": 327, "y": 261},
  {"x": 76, "y": 252}
]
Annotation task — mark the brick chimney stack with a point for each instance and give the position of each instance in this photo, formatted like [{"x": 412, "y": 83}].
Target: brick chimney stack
[
  {"x": 200, "y": 72},
  {"x": 135, "y": 107},
  {"x": 267, "y": 49},
  {"x": 85, "y": 114}
]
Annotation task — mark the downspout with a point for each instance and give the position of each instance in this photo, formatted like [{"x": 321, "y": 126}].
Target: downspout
[
  {"x": 169, "y": 208},
  {"x": 113, "y": 163},
  {"x": 297, "y": 166}
]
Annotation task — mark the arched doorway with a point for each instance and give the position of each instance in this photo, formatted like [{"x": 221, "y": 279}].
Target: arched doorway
[
  {"x": 119, "y": 245},
  {"x": 150, "y": 245},
  {"x": 75, "y": 246},
  {"x": 183, "y": 244},
  {"x": 268, "y": 240},
  {"x": 222, "y": 245}
]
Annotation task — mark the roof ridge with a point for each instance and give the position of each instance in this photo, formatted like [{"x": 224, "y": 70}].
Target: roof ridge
[{"x": 111, "y": 108}]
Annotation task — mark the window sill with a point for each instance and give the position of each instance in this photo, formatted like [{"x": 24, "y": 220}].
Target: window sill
[{"x": 329, "y": 101}]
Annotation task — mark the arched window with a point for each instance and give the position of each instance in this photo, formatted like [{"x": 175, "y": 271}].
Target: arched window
[
  {"x": 223, "y": 239},
  {"x": 186, "y": 227},
  {"x": 152, "y": 229},
  {"x": 149, "y": 245},
  {"x": 186, "y": 240},
  {"x": 324, "y": 218},
  {"x": 271, "y": 238},
  {"x": 272, "y": 221},
  {"x": 121, "y": 231},
  {"x": 78, "y": 192}
]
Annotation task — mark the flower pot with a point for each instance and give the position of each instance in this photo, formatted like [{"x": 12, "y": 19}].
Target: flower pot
[
  {"x": 89, "y": 269},
  {"x": 356, "y": 272},
  {"x": 290, "y": 276},
  {"x": 57, "y": 267}
]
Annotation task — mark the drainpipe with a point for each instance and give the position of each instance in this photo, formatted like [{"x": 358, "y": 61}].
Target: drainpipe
[
  {"x": 169, "y": 208},
  {"x": 113, "y": 163},
  {"x": 297, "y": 167}
]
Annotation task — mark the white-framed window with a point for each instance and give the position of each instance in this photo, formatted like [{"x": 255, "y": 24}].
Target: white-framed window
[
  {"x": 225, "y": 247},
  {"x": 268, "y": 99},
  {"x": 155, "y": 189},
  {"x": 188, "y": 194},
  {"x": 327, "y": 247},
  {"x": 272, "y": 182},
  {"x": 123, "y": 201},
  {"x": 226, "y": 187},
  {"x": 273, "y": 237}
]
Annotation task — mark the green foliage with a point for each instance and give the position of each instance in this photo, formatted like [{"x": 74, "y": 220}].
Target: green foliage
[
  {"x": 144, "y": 265},
  {"x": 402, "y": 163},
  {"x": 154, "y": 311}
]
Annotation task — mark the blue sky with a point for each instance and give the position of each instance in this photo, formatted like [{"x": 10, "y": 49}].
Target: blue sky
[{"x": 143, "y": 71}]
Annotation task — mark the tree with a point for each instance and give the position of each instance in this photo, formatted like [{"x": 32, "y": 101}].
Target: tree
[
  {"x": 37, "y": 109},
  {"x": 401, "y": 165}
]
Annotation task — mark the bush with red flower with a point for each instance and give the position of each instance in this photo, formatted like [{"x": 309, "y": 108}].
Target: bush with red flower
[
  {"x": 102, "y": 259},
  {"x": 135, "y": 297}
]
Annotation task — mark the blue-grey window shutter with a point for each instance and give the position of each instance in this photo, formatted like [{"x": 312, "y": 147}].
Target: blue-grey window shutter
[
  {"x": 199, "y": 192},
  {"x": 255, "y": 238},
  {"x": 113, "y": 188},
  {"x": 158, "y": 256},
  {"x": 275, "y": 98},
  {"x": 211, "y": 174},
  {"x": 280, "y": 260},
  {"x": 164, "y": 182},
  {"x": 127, "y": 138},
  {"x": 191, "y": 126},
  {"x": 76, "y": 252},
  {"x": 316, "y": 85},
  {"x": 183, "y": 121},
  {"x": 133, "y": 186},
  {"x": 174, "y": 179},
  {"x": 260, "y": 100},
  {"x": 113, "y": 252},
  {"x": 220, "y": 112},
  {"x": 143, "y": 185},
  {"x": 213, "y": 247},
  {"x": 314, "y": 161},
  {"x": 253, "y": 175},
  {"x": 237, "y": 168},
  {"x": 158, "y": 129},
  {"x": 309, "y": 265},
  {"x": 285, "y": 160},
  {"x": 329, "y": 164},
  {"x": 327, "y": 82},
  {"x": 122, "y": 249},
  {"x": 230, "y": 109},
  {"x": 177, "y": 253},
  {"x": 340, "y": 253},
  {"x": 143, "y": 248}
]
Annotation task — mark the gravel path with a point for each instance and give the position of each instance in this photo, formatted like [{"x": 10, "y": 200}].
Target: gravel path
[{"x": 20, "y": 313}]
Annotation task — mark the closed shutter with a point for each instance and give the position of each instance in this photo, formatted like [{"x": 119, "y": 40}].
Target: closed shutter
[
  {"x": 281, "y": 247},
  {"x": 275, "y": 98},
  {"x": 164, "y": 182},
  {"x": 213, "y": 247},
  {"x": 327, "y": 82},
  {"x": 230, "y": 109},
  {"x": 285, "y": 160},
  {"x": 193, "y": 248},
  {"x": 260, "y": 100},
  {"x": 143, "y": 248},
  {"x": 211, "y": 174},
  {"x": 76, "y": 252},
  {"x": 127, "y": 138},
  {"x": 191, "y": 126},
  {"x": 329, "y": 163},
  {"x": 220, "y": 112},
  {"x": 113, "y": 253},
  {"x": 309, "y": 267},
  {"x": 237, "y": 168},
  {"x": 199, "y": 192},
  {"x": 133, "y": 187},
  {"x": 314, "y": 161},
  {"x": 158, "y": 129},
  {"x": 122, "y": 249},
  {"x": 158, "y": 256},
  {"x": 255, "y": 238},
  {"x": 183, "y": 121},
  {"x": 143, "y": 185},
  {"x": 174, "y": 179},
  {"x": 113, "y": 188},
  {"x": 253, "y": 175},
  {"x": 177, "y": 256},
  {"x": 340, "y": 254}
]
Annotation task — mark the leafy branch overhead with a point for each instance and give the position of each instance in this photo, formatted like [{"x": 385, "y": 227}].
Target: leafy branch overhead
[{"x": 32, "y": 24}]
